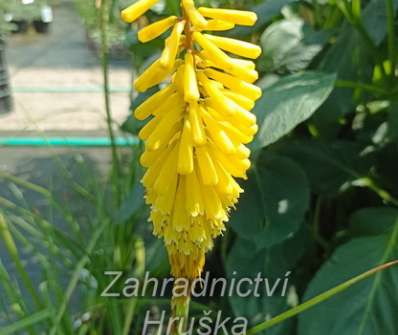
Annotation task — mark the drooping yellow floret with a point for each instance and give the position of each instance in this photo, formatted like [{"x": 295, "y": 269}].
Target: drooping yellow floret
[
  {"x": 191, "y": 89},
  {"x": 198, "y": 126},
  {"x": 168, "y": 58},
  {"x": 236, "y": 47},
  {"x": 239, "y": 17},
  {"x": 194, "y": 15},
  {"x": 218, "y": 25},
  {"x": 152, "y": 76},
  {"x": 132, "y": 13},
  {"x": 156, "y": 29}
]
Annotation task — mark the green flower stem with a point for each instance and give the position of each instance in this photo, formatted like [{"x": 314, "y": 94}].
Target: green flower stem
[
  {"x": 103, "y": 25},
  {"x": 180, "y": 312},
  {"x": 318, "y": 299}
]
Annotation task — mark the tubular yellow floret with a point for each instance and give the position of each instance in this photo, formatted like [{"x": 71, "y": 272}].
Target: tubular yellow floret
[
  {"x": 198, "y": 131},
  {"x": 240, "y": 17},
  {"x": 132, "y": 13},
  {"x": 197, "y": 128},
  {"x": 219, "y": 25},
  {"x": 152, "y": 76},
  {"x": 214, "y": 53},
  {"x": 150, "y": 105},
  {"x": 168, "y": 58},
  {"x": 185, "y": 156},
  {"x": 156, "y": 29},
  {"x": 240, "y": 48},
  {"x": 191, "y": 90},
  {"x": 197, "y": 19},
  {"x": 238, "y": 86}
]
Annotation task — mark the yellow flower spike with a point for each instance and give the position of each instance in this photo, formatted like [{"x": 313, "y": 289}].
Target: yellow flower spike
[
  {"x": 214, "y": 53},
  {"x": 185, "y": 156},
  {"x": 194, "y": 16},
  {"x": 236, "y": 134},
  {"x": 168, "y": 58},
  {"x": 247, "y": 64},
  {"x": 178, "y": 79},
  {"x": 191, "y": 90},
  {"x": 156, "y": 29},
  {"x": 240, "y": 48},
  {"x": 236, "y": 166},
  {"x": 243, "y": 18},
  {"x": 213, "y": 204},
  {"x": 238, "y": 86},
  {"x": 171, "y": 102},
  {"x": 198, "y": 132},
  {"x": 153, "y": 171},
  {"x": 152, "y": 76},
  {"x": 206, "y": 166},
  {"x": 148, "y": 158},
  {"x": 243, "y": 63},
  {"x": 241, "y": 68},
  {"x": 240, "y": 99},
  {"x": 167, "y": 175},
  {"x": 132, "y": 13},
  {"x": 197, "y": 128},
  {"x": 220, "y": 102},
  {"x": 148, "y": 129},
  {"x": 243, "y": 152},
  {"x": 219, "y": 25},
  {"x": 180, "y": 215},
  {"x": 148, "y": 107},
  {"x": 217, "y": 133},
  {"x": 165, "y": 129},
  {"x": 194, "y": 203}
]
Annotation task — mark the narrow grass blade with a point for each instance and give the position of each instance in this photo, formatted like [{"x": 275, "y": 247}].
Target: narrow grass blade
[
  {"x": 23, "y": 324},
  {"x": 75, "y": 277}
]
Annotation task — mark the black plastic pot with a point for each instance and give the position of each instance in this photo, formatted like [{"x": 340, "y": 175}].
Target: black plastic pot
[
  {"x": 41, "y": 27},
  {"x": 20, "y": 26},
  {"x": 5, "y": 94}
]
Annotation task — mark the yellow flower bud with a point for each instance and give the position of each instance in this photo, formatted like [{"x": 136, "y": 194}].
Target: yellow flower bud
[
  {"x": 197, "y": 19},
  {"x": 239, "y": 17},
  {"x": 240, "y": 48},
  {"x": 156, "y": 29},
  {"x": 191, "y": 90},
  {"x": 170, "y": 51},
  {"x": 132, "y": 13},
  {"x": 218, "y": 25}
]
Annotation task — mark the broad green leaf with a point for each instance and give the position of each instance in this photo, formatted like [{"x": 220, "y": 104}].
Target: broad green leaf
[
  {"x": 275, "y": 200},
  {"x": 373, "y": 221},
  {"x": 273, "y": 263},
  {"x": 300, "y": 45},
  {"x": 133, "y": 204},
  {"x": 172, "y": 7},
  {"x": 350, "y": 57},
  {"x": 329, "y": 166},
  {"x": 288, "y": 102},
  {"x": 370, "y": 307},
  {"x": 374, "y": 19}
]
